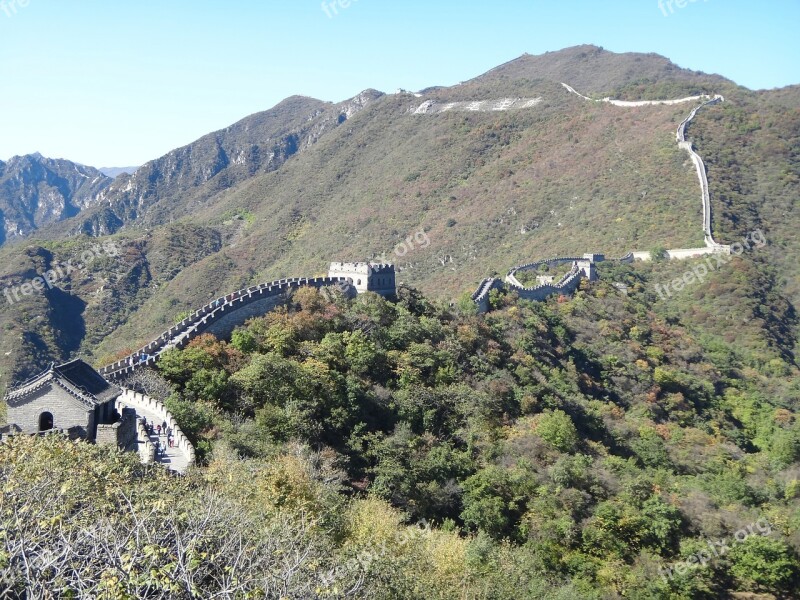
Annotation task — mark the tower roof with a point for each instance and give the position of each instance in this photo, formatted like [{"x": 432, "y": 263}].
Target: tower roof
[{"x": 76, "y": 377}]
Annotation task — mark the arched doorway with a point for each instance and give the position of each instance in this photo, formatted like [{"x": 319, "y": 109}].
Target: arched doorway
[{"x": 45, "y": 421}]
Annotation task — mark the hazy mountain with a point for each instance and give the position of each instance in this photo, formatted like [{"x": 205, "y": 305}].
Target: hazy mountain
[{"x": 116, "y": 171}]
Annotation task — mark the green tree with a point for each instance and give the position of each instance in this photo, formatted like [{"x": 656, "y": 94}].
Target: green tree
[
  {"x": 557, "y": 429},
  {"x": 492, "y": 502},
  {"x": 765, "y": 562},
  {"x": 658, "y": 253},
  {"x": 179, "y": 365},
  {"x": 208, "y": 384}
]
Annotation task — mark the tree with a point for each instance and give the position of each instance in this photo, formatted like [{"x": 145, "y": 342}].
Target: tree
[
  {"x": 766, "y": 563},
  {"x": 658, "y": 253},
  {"x": 557, "y": 429},
  {"x": 179, "y": 365},
  {"x": 492, "y": 502}
]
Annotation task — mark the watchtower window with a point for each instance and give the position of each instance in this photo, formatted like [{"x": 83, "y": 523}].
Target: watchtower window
[
  {"x": 358, "y": 282},
  {"x": 45, "y": 421}
]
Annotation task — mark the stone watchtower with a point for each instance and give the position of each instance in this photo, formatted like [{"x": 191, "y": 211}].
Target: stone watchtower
[
  {"x": 587, "y": 265},
  {"x": 72, "y": 398},
  {"x": 367, "y": 277}
]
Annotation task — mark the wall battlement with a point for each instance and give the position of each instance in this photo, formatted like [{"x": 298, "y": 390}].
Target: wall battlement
[{"x": 222, "y": 315}]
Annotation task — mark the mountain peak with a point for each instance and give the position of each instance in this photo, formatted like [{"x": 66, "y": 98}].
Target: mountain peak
[{"x": 597, "y": 71}]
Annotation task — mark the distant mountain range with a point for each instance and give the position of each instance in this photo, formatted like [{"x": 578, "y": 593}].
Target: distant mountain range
[
  {"x": 115, "y": 171},
  {"x": 502, "y": 169},
  {"x": 36, "y": 191}
]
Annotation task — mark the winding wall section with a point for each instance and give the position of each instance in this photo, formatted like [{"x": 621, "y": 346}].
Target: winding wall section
[
  {"x": 680, "y": 135},
  {"x": 181, "y": 455},
  {"x": 219, "y": 317},
  {"x": 701, "y": 170},
  {"x": 570, "y": 281}
]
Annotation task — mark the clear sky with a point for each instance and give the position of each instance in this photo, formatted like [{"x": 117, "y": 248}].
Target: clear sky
[{"x": 120, "y": 82}]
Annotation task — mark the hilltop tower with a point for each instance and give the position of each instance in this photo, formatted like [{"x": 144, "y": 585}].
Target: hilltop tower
[{"x": 367, "y": 277}]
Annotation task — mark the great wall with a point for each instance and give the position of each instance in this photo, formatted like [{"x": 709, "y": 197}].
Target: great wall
[
  {"x": 583, "y": 267},
  {"x": 221, "y": 316}
]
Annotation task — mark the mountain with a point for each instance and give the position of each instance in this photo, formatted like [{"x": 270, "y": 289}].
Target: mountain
[
  {"x": 628, "y": 76},
  {"x": 37, "y": 191},
  {"x": 185, "y": 179},
  {"x": 116, "y": 171},
  {"x": 452, "y": 185}
]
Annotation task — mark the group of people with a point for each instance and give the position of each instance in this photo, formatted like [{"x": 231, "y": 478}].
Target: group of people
[
  {"x": 160, "y": 430},
  {"x": 138, "y": 359}
]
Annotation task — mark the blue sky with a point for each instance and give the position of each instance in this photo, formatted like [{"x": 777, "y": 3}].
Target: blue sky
[{"x": 118, "y": 82}]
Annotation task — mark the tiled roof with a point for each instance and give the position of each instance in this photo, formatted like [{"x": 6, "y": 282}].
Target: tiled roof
[{"x": 76, "y": 378}]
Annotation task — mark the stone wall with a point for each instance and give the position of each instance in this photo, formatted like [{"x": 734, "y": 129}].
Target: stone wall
[
  {"x": 122, "y": 434},
  {"x": 134, "y": 400},
  {"x": 700, "y": 167},
  {"x": 233, "y": 317},
  {"x": 566, "y": 285},
  {"x": 481, "y": 296},
  {"x": 582, "y": 267},
  {"x": 67, "y": 411},
  {"x": 146, "y": 448},
  {"x": 221, "y": 315}
]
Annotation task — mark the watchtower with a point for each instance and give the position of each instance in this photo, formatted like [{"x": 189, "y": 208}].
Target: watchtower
[{"x": 367, "y": 277}]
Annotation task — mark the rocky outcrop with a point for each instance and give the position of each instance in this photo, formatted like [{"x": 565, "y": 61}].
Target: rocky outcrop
[{"x": 189, "y": 176}]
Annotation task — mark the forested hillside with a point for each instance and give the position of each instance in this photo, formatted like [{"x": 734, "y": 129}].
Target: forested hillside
[{"x": 587, "y": 447}]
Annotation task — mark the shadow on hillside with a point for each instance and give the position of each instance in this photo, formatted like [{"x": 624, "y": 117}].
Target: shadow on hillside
[{"x": 67, "y": 319}]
